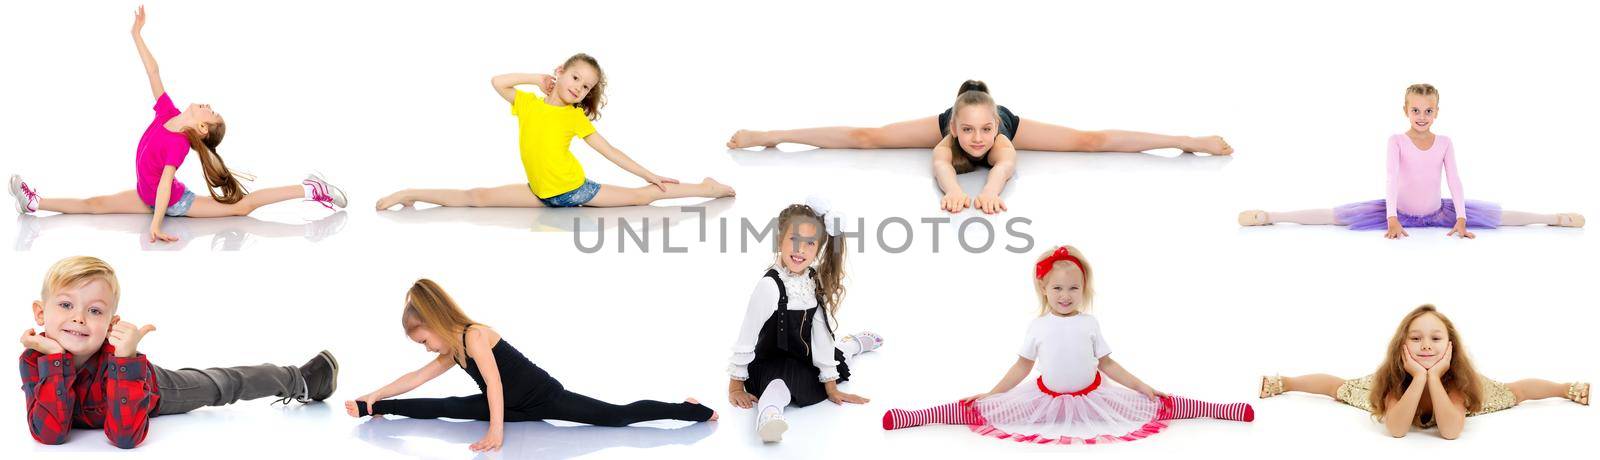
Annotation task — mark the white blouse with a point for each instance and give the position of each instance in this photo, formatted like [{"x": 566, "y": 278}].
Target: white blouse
[{"x": 763, "y": 302}]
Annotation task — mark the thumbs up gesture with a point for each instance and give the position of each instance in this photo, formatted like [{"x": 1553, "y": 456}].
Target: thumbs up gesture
[{"x": 125, "y": 337}]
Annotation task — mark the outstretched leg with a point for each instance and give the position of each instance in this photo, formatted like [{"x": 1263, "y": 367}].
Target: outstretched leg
[
  {"x": 1254, "y": 217},
  {"x": 1532, "y": 389},
  {"x": 121, "y": 203},
  {"x": 1519, "y": 218},
  {"x": 205, "y": 206},
  {"x": 1178, "y": 407},
  {"x": 475, "y": 407},
  {"x": 1035, "y": 135},
  {"x": 1322, "y": 384},
  {"x": 956, "y": 413},
  {"x": 918, "y": 133},
  {"x": 612, "y": 196},
  {"x": 187, "y": 389},
  {"x": 573, "y": 407},
  {"x": 507, "y": 196}
]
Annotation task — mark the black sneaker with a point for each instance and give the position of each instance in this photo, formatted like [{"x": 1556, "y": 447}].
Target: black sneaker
[{"x": 321, "y": 375}]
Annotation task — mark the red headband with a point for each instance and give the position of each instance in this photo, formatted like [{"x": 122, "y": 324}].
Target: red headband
[{"x": 1061, "y": 254}]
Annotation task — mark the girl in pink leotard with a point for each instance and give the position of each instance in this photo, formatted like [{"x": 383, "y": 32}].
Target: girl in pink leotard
[{"x": 1416, "y": 160}]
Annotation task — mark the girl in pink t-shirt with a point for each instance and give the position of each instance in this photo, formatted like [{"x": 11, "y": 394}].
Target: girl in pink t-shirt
[
  {"x": 163, "y": 147},
  {"x": 1417, "y": 159}
]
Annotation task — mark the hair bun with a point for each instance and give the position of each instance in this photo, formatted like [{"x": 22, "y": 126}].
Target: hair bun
[{"x": 973, "y": 85}]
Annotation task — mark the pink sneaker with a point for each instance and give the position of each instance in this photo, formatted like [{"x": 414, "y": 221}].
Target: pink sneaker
[
  {"x": 27, "y": 199},
  {"x": 319, "y": 190}
]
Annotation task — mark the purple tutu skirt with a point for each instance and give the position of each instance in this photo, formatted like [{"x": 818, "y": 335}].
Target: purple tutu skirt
[{"x": 1373, "y": 215}]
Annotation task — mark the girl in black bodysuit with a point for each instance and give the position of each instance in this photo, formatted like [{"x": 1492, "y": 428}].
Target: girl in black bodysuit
[{"x": 513, "y": 389}]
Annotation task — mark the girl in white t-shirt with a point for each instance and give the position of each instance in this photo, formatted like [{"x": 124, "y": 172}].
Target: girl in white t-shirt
[{"x": 1068, "y": 402}]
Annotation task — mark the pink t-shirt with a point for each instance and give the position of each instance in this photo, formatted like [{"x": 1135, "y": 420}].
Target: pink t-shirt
[
  {"x": 1414, "y": 177},
  {"x": 159, "y": 148}
]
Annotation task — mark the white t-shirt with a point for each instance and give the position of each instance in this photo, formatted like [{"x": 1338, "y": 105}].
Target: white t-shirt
[{"x": 1065, "y": 349}]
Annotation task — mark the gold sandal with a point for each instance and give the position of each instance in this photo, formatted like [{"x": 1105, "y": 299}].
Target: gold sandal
[
  {"x": 1573, "y": 220},
  {"x": 1578, "y": 392},
  {"x": 1271, "y": 386}
]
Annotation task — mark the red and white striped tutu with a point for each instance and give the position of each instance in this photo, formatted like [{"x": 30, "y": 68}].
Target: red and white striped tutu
[{"x": 1094, "y": 415}]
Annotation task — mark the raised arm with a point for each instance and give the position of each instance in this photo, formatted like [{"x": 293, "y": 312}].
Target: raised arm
[
  {"x": 506, "y": 84},
  {"x": 1019, "y": 370},
  {"x": 151, "y": 71},
  {"x": 480, "y": 346},
  {"x": 945, "y": 175}
]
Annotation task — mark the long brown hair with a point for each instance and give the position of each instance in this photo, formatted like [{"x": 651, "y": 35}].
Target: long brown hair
[
  {"x": 596, "y": 99},
  {"x": 1391, "y": 379},
  {"x": 428, "y": 306},
  {"x": 828, "y": 275},
  {"x": 218, "y": 178},
  {"x": 972, "y": 92}
]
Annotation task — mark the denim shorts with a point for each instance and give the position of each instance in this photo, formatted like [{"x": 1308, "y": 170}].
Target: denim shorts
[
  {"x": 180, "y": 208},
  {"x": 576, "y": 197}
]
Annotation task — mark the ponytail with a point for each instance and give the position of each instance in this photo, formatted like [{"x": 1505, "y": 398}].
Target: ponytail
[{"x": 218, "y": 178}]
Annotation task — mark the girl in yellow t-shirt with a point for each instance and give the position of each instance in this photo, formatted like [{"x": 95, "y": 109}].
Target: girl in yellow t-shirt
[{"x": 571, "y": 100}]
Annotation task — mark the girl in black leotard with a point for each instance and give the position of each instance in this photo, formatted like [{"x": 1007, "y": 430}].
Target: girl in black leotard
[
  {"x": 513, "y": 388},
  {"x": 977, "y": 131}
]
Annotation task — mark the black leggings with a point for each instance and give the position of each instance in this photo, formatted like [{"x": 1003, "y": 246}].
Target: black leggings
[{"x": 561, "y": 405}]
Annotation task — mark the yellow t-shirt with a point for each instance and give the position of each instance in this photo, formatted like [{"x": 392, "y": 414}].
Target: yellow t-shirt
[{"x": 547, "y": 133}]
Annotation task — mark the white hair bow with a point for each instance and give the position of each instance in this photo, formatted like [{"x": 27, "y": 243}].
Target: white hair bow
[{"x": 829, "y": 215}]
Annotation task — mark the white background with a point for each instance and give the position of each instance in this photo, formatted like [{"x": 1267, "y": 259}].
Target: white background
[{"x": 383, "y": 95}]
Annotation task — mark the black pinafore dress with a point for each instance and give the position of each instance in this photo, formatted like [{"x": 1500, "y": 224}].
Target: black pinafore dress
[{"x": 783, "y": 352}]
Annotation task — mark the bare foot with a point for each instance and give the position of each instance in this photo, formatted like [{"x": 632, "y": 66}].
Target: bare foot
[
  {"x": 1210, "y": 144},
  {"x": 746, "y": 138},
  {"x": 394, "y": 199},
  {"x": 350, "y": 408},
  {"x": 718, "y": 189},
  {"x": 696, "y": 401},
  {"x": 1253, "y": 218}
]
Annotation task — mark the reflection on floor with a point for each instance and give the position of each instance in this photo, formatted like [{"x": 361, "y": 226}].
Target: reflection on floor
[
  {"x": 582, "y": 219},
  {"x": 524, "y": 439},
  {"x": 227, "y": 233}
]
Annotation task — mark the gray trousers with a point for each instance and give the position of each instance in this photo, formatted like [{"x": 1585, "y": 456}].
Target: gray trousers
[{"x": 187, "y": 389}]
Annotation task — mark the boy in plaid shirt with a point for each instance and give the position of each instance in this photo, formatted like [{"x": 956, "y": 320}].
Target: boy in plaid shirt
[{"x": 84, "y": 370}]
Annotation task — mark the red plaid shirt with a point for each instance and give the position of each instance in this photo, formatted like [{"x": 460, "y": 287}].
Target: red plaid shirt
[{"x": 119, "y": 394}]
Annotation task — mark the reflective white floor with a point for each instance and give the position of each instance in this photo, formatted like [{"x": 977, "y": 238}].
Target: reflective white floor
[{"x": 1189, "y": 301}]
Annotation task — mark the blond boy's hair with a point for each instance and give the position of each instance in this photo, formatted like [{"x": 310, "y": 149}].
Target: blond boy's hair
[{"x": 76, "y": 270}]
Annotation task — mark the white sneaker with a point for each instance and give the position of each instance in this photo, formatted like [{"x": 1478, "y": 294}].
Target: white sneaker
[
  {"x": 868, "y": 340},
  {"x": 771, "y": 424},
  {"x": 27, "y": 200},
  {"x": 319, "y": 190}
]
